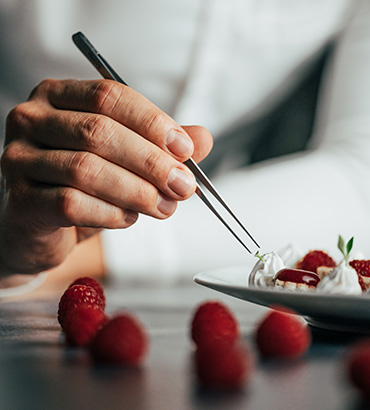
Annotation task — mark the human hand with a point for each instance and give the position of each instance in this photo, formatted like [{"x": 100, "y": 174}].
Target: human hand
[{"x": 85, "y": 155}]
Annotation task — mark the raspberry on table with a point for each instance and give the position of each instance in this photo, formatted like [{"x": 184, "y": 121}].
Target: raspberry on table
[
  {"x": 82, "y": 324},
  {"x": 92, "y": 282},
  {"x": 222, "y": 365},
  {"x": 213, "y": 320},
  {"x": 281, "y": 333},
  {"x": 122, "y": 339},
  {"x": 358, "y": 366},
  {"x": 78, "y": 295}
]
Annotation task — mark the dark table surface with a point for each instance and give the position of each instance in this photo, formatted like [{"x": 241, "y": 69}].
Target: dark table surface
[{"x": 38, "y": 371}]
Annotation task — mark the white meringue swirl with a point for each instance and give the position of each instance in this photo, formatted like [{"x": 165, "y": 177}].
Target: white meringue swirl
[
  {"x": 343, "y": 280},
  {"x": 263, "y": 273}
]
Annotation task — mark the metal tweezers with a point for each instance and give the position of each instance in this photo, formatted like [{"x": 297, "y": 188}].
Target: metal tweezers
[{"x": 107, "y": 72}]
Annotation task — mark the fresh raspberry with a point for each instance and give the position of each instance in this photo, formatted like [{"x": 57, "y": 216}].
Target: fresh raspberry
[
  {"x": 75, "y": 296},
  {"x": 82, "y": 323},
  {"x": 362, "y": 283},
  {"x": 223, "y": 365},
  {"x": 314, "y": 259},
  {"x": 89, "y": 281},
  {"x": 121, "y": 340},
  {"x": 214, "y": 321},
  {"x": 358, "y": 366},
  {"x": 361, "y": 266},
  {"x": 282, "y": 333}
]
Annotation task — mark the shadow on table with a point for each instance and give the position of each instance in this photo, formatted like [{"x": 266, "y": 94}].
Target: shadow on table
[{"x": 203, "y": 398}]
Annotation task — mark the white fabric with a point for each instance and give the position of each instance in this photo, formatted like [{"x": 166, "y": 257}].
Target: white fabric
[{"x": 215, "y": 63}]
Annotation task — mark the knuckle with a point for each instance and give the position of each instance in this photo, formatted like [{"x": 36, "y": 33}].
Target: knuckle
[
  {"x": 116, "y": 217},
  {"x": 70, "y": 205},
  {"x": 154, "y": 121},
  {"x": 11, "y": 156},
  {"x": 142, "y": 197},
  {"x": 81, "y": 166},
  {"x": 152, "y": 161},
  {"x": 19, "y": 118},
  {"x": 96, "y": 131},
  {"x": 42, "y": 88},
  {"x": 105, "y": 94}
]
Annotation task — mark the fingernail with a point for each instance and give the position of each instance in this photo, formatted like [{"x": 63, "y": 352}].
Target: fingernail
[
  {"x": 179, "y": 144},
  {"x": 131, "y": 217},
  {"x": 180, "y": 182},
  {"x": 165, "y": 206}
]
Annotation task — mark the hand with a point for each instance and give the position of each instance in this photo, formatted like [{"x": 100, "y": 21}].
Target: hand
[{"x": 81, "y": 156}]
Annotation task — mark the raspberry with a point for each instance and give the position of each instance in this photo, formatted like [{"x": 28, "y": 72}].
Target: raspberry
[
  {"x": 314, "y": 259},
  {"x": 78, "y": 295},
  {"x": 362, "y": 267},
  {"x": 88, "y": 281},
  {"x": 222, "y": 365},
  {"x": 121, "y": 340},
  {"x": 358, "y": 366},
  {"x": 214, "y": 321},
  {"x": 282, "y": 333},
  {"x": 82, "y": 323}
]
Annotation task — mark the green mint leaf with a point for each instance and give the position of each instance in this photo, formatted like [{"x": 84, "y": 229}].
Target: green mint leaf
[
  {"x": 341, "y": 245},
  {"x": 349, "y": 246},
  {"x": 259, "y": 256}
]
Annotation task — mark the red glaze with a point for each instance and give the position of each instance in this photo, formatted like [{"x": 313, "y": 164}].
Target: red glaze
[{"x": 298, "y": 276}]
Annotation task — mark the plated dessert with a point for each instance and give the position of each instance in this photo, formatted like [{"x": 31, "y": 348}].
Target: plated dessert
[{"x": 315, "y": 271}]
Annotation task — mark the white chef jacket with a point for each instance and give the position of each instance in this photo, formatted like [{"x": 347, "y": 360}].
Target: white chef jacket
[{"x": 220, "y": 64}]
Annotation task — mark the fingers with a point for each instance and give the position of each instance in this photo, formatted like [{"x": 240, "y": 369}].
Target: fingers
[
  {"x": 65, "y": 207},
  {"x": 89, "y": 174},
  {"x": 202, "y": 140},
  {"x": 115, "y": 143},
  {"x": 122, "y": 104},
  {"x": 103, "y": 141}
]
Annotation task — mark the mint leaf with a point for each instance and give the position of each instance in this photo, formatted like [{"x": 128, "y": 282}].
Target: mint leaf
[
  {"x": 259, "y": 256},
  {"x": 345, "y": 248},
  {"x": 349, "y": 245},
  {"x": 341, "y": 245}
]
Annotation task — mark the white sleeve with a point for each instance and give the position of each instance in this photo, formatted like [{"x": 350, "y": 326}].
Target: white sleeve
[{"x": 305, "y": 199}]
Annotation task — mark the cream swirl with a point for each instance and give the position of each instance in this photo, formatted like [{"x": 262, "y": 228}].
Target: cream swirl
[
  {"x": 290, "y": 255},
  {"x": 264, "y": 271},
  {"x": 343, "y": 280}
]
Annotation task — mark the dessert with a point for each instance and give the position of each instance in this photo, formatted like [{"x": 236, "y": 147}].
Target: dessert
[
  {"x": 343, "y": 280},
  {"x": 316, "y": 270},
  {"x": 315, "y": 259},
  {"x": 264, "y": 271},
  {"x": 362, "y": 268},
  {"x": 296, "y": 279}
]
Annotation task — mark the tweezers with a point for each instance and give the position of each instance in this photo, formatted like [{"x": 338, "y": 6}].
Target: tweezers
[{"x": 107, "y": 72}]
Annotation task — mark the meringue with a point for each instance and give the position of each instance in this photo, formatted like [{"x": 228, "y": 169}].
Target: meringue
[
  {"x": 342, "y": 280},
  {"x": 263, "y": 272}
]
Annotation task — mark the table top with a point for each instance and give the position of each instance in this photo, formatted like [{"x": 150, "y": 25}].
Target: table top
[{"x": 38, "y": 371}]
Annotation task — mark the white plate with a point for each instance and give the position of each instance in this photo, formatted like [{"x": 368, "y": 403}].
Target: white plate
[{"x": 333, "y": 312}]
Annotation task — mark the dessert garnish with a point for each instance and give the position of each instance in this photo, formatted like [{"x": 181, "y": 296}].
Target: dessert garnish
[
  {"x": 296, "y": 279},
  {"x": 315, "y": 259},
  {"x": 343, "y": 279},
  {"x": 264, "y": 271},
  {"x": 362, "y": 268}
]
